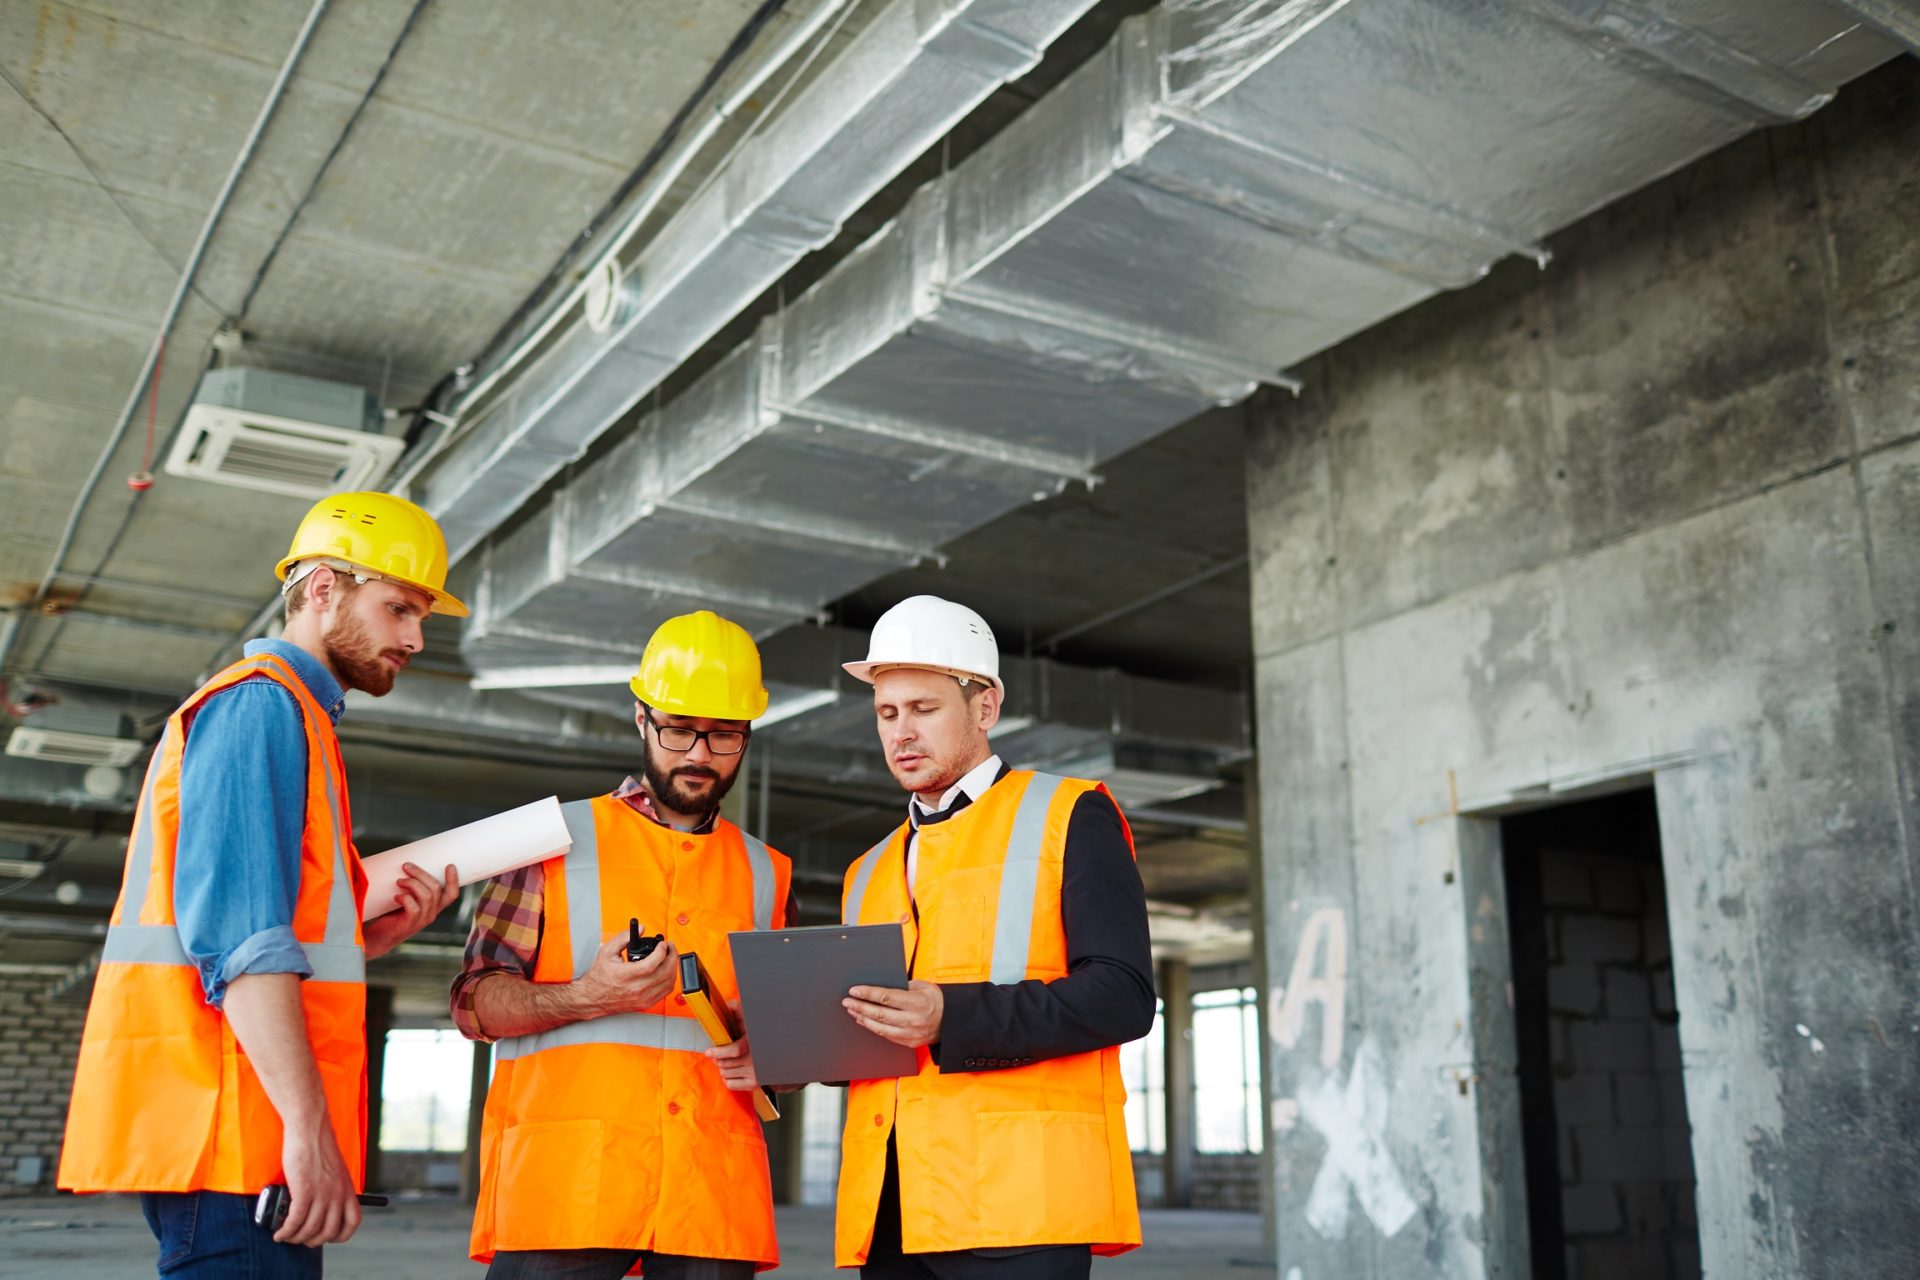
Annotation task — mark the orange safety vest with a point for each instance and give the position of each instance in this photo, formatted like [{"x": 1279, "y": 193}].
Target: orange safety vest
[
  {"x": 1030, "y": 1155},
  {"x": 164, "y": 1098},
  {"x": 616, "y": 1132}
]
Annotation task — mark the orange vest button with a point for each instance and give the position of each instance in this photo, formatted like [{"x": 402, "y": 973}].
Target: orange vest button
[
  {"x": 905, "y": 916},
  {"x": 673, "y": 1108},
  {"x": 679, "y": 999},
  {"x": 681, "y": 918},
  {"x": 879, "y": 1120},
  {"x": 687, "y": 845}
]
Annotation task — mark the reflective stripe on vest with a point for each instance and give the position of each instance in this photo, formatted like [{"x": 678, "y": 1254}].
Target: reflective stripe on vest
[
  {"x": 850, "y": 914},
  {"x": 640, "y": 1030},
  {"x": 335, "y": 958},
  {"x": 1019, "y": 880}
]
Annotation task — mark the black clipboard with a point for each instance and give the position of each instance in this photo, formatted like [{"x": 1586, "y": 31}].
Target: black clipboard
[{"x": 791, "y": 984}]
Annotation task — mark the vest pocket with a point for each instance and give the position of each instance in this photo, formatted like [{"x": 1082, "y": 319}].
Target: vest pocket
[
  {"x": 548, "y": 1189},
  {"x": 954, "y": 933},
  {"x": 1045, "y": 1177}
]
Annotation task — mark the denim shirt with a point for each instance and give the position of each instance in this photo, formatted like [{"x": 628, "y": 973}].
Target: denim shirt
[{"x": 243, "y": 811}]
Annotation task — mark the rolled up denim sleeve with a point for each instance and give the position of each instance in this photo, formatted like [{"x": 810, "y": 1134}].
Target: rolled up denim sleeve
[{"x": 243, "y": 801}]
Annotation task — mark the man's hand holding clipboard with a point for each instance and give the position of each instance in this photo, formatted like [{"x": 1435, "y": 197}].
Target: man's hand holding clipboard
[
  {"x": 794, "y": 989},
  {"x": 909, "y": 1018}
]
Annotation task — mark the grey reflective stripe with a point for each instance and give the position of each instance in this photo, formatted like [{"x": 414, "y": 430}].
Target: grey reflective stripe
[
  {"x": 583, "y": 884},
  {"x": 144, "y": 944},
  {"x": 639, "y": 1030},
  {"x": 342, "y": 915},
  {"x": 1020, "y": 880},
  {"x": 160, "y": 944},
  {"x": 851, "y": 913},
  {"x": 140, "y": 850},
  {"x": 761, "y": 863},
  {"x": 336, "y": 962}
]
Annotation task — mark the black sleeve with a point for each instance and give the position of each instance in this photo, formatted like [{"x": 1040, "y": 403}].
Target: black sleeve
[{"x": 1106, "y": 997}]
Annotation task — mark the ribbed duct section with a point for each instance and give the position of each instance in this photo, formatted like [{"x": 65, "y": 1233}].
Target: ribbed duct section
[
  {"x": 914, "y": 72},
  {"x": 1224, "y": 190}
]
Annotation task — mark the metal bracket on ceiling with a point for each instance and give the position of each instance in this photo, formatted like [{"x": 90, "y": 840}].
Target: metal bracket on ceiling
[
  {"x": 1640, "y": 37},
  {"x": 841, "y": 537},
  {"x": 964, "y": 443},
  {"x": 697, "y": 590},
  {"x": 1132, "y": 336},
  {"x": 1436, "y": 222},
  {"x": 991, "y": 52},
  {"x": 1895, "y": 19}
]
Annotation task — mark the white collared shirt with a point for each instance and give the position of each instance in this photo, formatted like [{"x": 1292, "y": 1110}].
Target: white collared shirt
[{"x": 974, "y": 784}]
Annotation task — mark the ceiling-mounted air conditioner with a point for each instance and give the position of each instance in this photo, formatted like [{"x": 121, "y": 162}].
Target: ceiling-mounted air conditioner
[
  {"x": 283, "y": 433},
  {"x": 77, "y": 735}
]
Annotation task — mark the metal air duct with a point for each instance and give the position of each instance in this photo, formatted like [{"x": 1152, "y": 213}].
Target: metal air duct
[
  {"x": 1224, "y": 190},
  {"x": 914, "y": 72}
]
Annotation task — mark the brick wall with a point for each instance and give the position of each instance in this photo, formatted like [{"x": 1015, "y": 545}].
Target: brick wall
[
  {"x": 1626, "y": 1166},
  {"x": 39, "y": 1039},
  {"x": 1219, "y": 1181},
  {"x": 1226, "y": 1182}
]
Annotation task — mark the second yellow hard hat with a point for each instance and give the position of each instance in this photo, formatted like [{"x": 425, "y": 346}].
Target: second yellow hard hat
[{"x": 700, "y": 664}]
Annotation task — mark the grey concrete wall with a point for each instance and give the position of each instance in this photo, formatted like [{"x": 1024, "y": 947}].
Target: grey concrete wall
[{"x": 1653, "y": 511}]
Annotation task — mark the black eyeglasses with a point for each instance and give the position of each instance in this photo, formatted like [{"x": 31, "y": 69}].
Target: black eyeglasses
[{"x": 722, "y": 742}]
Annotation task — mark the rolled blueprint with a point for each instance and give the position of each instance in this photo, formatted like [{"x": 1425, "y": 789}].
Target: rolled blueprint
[{"x": 490, "y": 847}]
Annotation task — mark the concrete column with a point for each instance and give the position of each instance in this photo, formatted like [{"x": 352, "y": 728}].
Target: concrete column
[
  {"x": 1263, "y": 984},
  {"x": 379, "y": 1022},
  {"x": 786, "y": 1143},
  {"x": 1176, "y": 990},
  {"x": 476, "y": 1108}
]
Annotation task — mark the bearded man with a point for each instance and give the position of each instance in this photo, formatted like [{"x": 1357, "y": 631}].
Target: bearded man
[
  {"x": 225, "y": 1047},
  {"x": 615, "y": 1136}
]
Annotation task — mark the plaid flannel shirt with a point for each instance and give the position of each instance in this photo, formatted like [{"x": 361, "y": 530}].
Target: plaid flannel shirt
[{"x": 509, "y": 920}]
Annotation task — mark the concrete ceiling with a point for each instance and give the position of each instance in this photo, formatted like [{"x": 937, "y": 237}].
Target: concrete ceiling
[
  {"x": 491, "y": 143},
  {"x": 496, "y": 134}
]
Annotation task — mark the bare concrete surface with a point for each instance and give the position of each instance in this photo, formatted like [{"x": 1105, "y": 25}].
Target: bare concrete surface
[{"x": 105, "y": 1236}]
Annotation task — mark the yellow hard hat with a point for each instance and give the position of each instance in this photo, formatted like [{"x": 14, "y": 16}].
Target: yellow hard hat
[
  {"x": 700, "y": 664},
  {"x": 381, "y": 536}
]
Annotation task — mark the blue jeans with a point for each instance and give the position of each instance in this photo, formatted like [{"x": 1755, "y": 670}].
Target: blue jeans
[{"x": 211, "y": 1235}]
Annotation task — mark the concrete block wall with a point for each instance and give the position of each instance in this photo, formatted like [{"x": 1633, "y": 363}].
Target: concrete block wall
[
  {"x": 1626, "y": 1159},
  {"x": 1652, "y": 513},
  {"x": 39, "y": 1040}
]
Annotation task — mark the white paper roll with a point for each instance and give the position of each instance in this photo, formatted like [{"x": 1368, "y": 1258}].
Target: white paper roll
[{"x": 478, "y": 851}]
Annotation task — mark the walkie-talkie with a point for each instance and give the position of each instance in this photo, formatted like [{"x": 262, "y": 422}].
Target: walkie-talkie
[{"x": 638, "y": 947}]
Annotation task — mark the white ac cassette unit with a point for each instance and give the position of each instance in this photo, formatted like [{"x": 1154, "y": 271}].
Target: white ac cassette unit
[{"x": 282, "y": 433}]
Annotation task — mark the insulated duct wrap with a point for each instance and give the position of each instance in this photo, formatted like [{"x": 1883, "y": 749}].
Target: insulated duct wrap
[
  {"x": 917, "y": 69},
  {"x": 1224, "y": 190}
]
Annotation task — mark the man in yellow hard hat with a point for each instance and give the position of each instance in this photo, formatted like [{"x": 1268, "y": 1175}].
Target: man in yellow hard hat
[
  {"x": 225, "y": 1047},
  {"x": 615, "y": 1135}
]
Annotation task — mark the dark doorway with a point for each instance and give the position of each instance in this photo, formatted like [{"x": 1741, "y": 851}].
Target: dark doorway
[{"x": 1603, "y": 1115}]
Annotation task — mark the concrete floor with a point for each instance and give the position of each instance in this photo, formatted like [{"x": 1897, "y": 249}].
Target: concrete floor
[{"x": 105, "y": 1236}]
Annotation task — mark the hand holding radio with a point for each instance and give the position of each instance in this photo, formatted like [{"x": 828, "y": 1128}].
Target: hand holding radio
[{"x": 631, "y": 972}]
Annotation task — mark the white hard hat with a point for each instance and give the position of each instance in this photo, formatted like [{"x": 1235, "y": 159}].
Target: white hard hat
[{"x": 933, "y": 635}]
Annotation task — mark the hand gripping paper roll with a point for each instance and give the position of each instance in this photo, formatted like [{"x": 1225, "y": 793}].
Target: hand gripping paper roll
[{"x": 478, "y": 851}]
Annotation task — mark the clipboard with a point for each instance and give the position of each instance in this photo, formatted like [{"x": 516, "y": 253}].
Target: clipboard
[
  {"x": 713, "y": 1019},
  {"x": 791, "y": 984}
]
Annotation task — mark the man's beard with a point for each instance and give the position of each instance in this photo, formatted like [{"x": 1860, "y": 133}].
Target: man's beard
[
  {"x": 672, "y": 794},
  {"x": 352, "y": 652}
]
